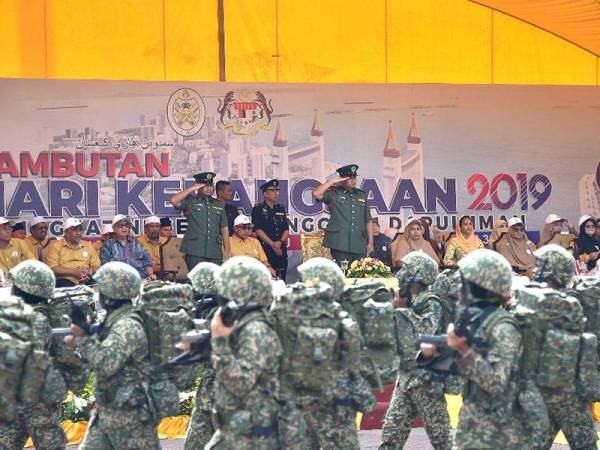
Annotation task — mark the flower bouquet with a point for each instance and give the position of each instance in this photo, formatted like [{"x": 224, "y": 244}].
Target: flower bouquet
[{"x": 369, "y": 268}]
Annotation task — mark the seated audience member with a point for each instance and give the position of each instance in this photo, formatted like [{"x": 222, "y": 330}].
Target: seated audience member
[
  {"x": 434, "y": 237},
  {"x": 12, "y": 251},
  {"x": 152, "y": 240},
  {"x": 166, "y": 228},
  {"x": 586, "y": 247},
  {"x": 516, "y": 248},
  {"x": 18, "y": 230},
  {"x": 412, "y": 240},
  {"x": 381, "y": 243},
  {"x": 125, "y": 248},
  {"x": 557, "y": 231},
  {"x": 38, "y": 241},
  {"x": 598, "y": 228},
  {"x": 107, "y": 233},
  {"x": 242, "y": 244},
  {"x": 72, "y": 259},
  {"x": 463, "y": 242},
  {"x": 499, "y": 228}
]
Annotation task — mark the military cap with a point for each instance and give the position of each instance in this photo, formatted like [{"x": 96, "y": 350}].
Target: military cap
[
  {"x": 348, "y": 171},
  {"x": 165, "y": 222},
  {"x": 272, "y": 184},
  {"x": 205, "y": 177}
]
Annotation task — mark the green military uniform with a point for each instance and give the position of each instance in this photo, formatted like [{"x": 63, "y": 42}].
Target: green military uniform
[
  {"x": 206, "y": 216},
  {"x": 346, "y": 235}
]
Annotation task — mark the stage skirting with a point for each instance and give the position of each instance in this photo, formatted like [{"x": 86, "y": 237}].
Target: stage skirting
[{"x": 175, "y": 427}]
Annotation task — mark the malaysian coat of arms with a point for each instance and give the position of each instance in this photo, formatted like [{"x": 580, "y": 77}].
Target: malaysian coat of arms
[{"x": 244, "y": 112}]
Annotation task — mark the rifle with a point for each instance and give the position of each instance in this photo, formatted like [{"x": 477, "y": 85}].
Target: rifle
[
  {"x": 204, "y": 303},
  {"x": 463, "y": 328},
  {"x": 92, "y": 329},
  {"x": 200, "y": 340}
]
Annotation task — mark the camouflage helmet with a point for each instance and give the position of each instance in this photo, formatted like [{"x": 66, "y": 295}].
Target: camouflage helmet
[
  {"x": 118, "y": 281},
  {"x": 421, "y": 267},
  {"x": 488, "y": 270},
  {"x": 243, "y": 279},
  {"x": 202, "y": 277},
  {"x": 324, "y": 270},
  {"x": 35, "y": 278},
  {"x": 557, "y": 263},
  {"x": 447, "y": 284}
]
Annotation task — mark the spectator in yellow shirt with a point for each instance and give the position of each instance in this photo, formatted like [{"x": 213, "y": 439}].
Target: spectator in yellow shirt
[
  {"x": 107, "y": 233},
  {"x": 152, "y": 240},
  {"x": 242, "y": 244},
  {"x": 73, "y": 260},
  {"x": 12, "y": 251},
  {"x": 38, "y": 239}
]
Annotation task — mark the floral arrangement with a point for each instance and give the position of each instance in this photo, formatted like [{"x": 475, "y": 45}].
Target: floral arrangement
[
  {"x": 78, "y": 405},
  {"x": 369, "y": 268}
]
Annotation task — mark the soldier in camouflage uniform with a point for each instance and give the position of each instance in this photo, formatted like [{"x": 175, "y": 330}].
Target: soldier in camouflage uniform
[
  {"x": 246, "y": 359},
  {"x": 490, "y": 417},
  {"x": 123, "y": 418},
  {"x": 201, "y": 427},
  {"x": 416, "y": 392},
  {"x": 34, "y": 283},
  {"x": 568, "y": 411},
  {"x": 331, "y": 415}
]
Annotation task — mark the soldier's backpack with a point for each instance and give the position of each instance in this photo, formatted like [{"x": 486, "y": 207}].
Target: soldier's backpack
[
  {"x": 74, "y": 371},
  {"x": 587, "y": 291},
  {"x": 370, "y": 304},
  {"x": 161, "y": 308},
  {"x": 22, "y": 368},
  {"x": 557, "y": 353},
  {"x": 446, "y": 288},
  {"x": 309, "y": 325}
]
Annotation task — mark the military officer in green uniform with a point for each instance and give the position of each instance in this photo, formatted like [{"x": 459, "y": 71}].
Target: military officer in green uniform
[
  {"x": 348, "y": 234},
  {"x": 207, "y": 235}
]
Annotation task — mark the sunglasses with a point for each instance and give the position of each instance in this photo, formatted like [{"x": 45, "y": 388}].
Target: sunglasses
[
  {"x": 590, "y": 225},
  {"x": 245, "y": 227}
]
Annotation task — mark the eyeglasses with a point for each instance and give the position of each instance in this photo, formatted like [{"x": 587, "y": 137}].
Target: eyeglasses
[
  {"x": 590, "y": 225},
  {"x": 518, "y": 228},
  {"x": 245, "y": 227}
]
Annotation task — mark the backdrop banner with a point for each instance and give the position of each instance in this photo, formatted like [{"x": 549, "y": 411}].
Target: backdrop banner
[{"x": 93, "y": 149}]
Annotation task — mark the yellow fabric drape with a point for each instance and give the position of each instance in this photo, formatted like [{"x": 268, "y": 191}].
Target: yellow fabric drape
[{"x": 396, "y": 41}]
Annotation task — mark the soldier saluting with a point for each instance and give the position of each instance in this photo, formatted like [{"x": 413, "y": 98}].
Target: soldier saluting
[
  {"x": 271, "y": 226},
  {"x": 348, "y": 234},
  {"x": 207, "y": 235}
]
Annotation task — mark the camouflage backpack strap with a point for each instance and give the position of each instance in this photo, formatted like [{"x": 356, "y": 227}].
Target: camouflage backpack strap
[{"x": 492, "y": 317}]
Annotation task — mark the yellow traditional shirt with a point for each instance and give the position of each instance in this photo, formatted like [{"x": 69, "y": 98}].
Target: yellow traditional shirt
[
  {"x": 62, "y": 254},
  {"x": 36, "y": 247},
  {"x": 247, "y": 247},
  {"x": 15, "y": 252},
  {"x": 153, "y": 249}
]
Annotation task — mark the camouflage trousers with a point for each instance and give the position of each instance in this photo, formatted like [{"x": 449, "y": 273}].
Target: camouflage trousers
[
  {"x": 41, "y": 422},
  {"x": 331, "y": 426},
  {"x": 118, "y": 429},
  {"x": 426, "y": 400},
  {"x": 572, "y": 415},
  {"x": 201, "y": 427},
  {"x": 477, "y": 429}
]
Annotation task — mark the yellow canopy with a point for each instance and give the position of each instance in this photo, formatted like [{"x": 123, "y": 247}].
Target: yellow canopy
[{"x": 396, "y": 41}]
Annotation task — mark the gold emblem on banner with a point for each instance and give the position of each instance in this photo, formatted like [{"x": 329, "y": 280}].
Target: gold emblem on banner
[{"x": 244, "y": 112}]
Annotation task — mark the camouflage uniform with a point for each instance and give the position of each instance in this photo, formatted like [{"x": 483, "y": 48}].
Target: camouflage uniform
[
  {"x": 122, "y": 418},
  {"x": 490, "y": 417},
  {"x": 331, "y": 418},
  {"x": 567, "y": 410},
  {"x": 41, "y": 420},
  {"x": 416, "y": 393},
  {"x": 246, "y": 363},
  {"x": 201, "y": 426}
]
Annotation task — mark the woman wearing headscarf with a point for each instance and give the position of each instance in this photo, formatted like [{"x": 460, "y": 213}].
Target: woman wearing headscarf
[
  {"x": 516, "y": 248},
  {"x": 462, "y": 243},
  {"x": 553, "y": 233},
  {"x": 499, "y": 228},
  {"x": 412, "y": 240},
  {"x": 437, "y": 246},
  {"x": 586, "y": 247}
]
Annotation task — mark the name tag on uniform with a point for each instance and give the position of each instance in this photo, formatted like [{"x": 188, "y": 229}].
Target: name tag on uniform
[
  {"x": 279, "y": 214},
  {"x": 216, "y": 207}
]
